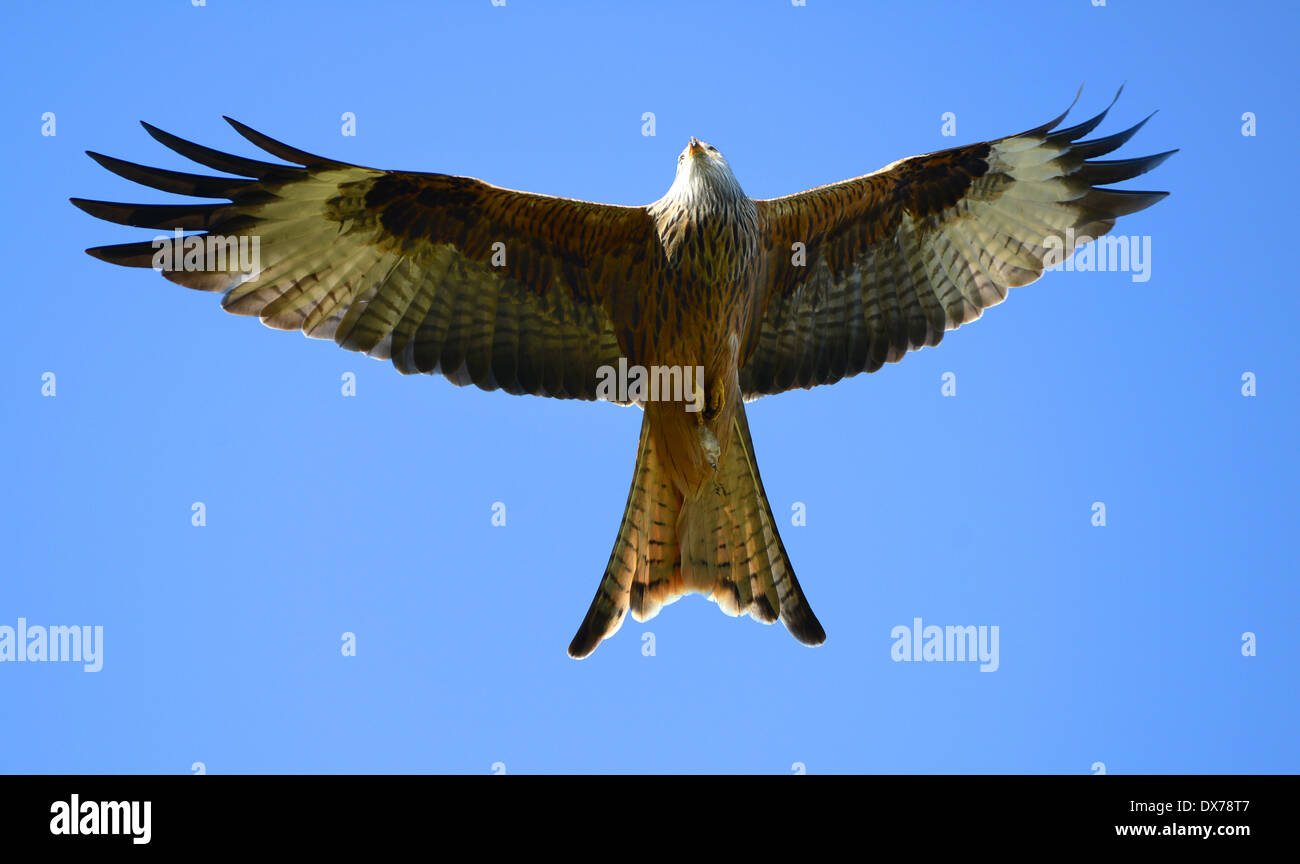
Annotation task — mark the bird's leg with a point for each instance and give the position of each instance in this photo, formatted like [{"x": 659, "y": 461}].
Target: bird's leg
[
  {"x": 708, "y": 441},
  {"x": 712, "y": 398},
  {"x": 716, "y": 398}
]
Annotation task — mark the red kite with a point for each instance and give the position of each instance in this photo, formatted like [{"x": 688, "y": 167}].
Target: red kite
[{"x": 534, "y": 294}]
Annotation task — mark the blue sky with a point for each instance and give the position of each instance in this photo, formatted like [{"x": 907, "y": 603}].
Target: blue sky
[{"x": 371, "y": 514}]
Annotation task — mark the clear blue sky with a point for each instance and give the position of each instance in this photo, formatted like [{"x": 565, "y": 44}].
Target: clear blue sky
[{"x": 372, "y": 515}]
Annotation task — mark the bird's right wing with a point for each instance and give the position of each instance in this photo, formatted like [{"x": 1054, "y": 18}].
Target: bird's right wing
[
  {"x": 863, "y": 271},
  {"x": 440, "y": 274}
]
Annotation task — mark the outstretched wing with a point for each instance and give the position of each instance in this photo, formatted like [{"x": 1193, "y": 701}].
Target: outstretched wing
[
  {"x": 895, "y": 258},
  {"x": 440, "y": 274}
]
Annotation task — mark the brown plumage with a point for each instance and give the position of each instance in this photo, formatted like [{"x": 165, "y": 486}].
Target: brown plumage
[{"x": 542, "y": 295}]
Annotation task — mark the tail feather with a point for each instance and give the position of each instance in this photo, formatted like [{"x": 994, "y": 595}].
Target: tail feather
[
  {"x": 722, "y": 541},
  {"x": 642, "y": 574},
  {"x": 759, "y": 580},
  {"x": 658, "y": 579}
]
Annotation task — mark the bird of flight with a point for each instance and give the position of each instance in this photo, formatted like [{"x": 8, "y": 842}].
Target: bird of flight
[{"x": 543, "y": 295}]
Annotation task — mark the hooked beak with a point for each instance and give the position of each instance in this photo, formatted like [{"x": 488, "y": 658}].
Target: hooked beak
[{"x": 694, "y": 147}]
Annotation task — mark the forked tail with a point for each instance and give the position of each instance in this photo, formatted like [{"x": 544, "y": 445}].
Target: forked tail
[{"x": 722, "y": 541}]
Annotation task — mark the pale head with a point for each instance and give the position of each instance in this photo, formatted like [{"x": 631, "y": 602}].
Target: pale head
[{"x": 703, "y": 177}]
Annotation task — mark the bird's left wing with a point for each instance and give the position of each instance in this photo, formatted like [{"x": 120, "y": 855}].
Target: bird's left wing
[
  {"x": 859, "y": 273},
  {"x": 440, "y": 274}
]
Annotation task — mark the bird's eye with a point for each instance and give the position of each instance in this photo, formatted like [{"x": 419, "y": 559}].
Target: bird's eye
[{"x": 713, "y": 149}]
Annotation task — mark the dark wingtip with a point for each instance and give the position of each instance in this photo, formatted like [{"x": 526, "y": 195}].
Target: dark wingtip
[
  {"x": 138, "y": 254},
  {"x": 214, "y": 159},
  {"x": 278, "y": 148},
  {"x": 1054, "y": 122},
  {"x": 1102, "y": 146},
  {"x": 180, "y": 182},
  {"x": 1113, "y": 203},
  {"x": 1103, "y": 173},
  {"x": 1064, "y": 136},
  {"x": 102, "y": 160},
  {"x": 113, "y": 254}
]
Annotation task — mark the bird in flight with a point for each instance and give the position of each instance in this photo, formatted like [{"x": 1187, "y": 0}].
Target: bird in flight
[{"x": 544, "y": 295}]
